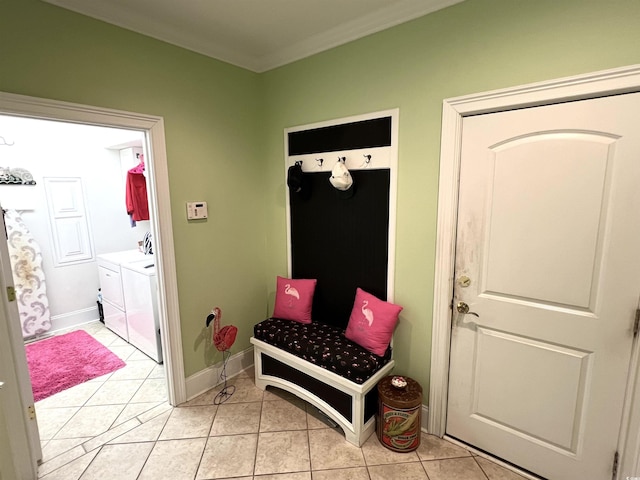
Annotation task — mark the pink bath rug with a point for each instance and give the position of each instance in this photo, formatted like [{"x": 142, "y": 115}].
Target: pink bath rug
[{"x": 63, "y": 361}]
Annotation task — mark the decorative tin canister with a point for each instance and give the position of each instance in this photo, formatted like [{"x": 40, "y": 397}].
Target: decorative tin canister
[{"x": 398, "y": 422}]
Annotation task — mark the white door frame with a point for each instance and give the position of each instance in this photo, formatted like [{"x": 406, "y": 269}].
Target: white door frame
[
  {"x": 598, "y": 84},
  {"x": 160, "y": 209}
]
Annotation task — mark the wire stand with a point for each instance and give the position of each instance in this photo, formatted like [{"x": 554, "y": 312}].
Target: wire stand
[{"x": 227, "y": 390}]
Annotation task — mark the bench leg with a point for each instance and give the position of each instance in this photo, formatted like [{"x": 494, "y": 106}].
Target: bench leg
[
  {"x": 361, "y": 430},
  {"x": 257, "y": 365}
]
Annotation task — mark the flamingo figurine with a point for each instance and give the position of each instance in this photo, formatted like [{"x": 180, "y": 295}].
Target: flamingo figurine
[{"x": 223, "y": 339}]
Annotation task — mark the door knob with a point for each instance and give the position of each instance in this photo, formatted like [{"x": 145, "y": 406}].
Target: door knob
[{"x": 464, "y": 309}]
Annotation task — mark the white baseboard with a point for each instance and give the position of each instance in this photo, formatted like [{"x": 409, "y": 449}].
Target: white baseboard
[
  {"x": 73, "y": 319},
  {"x": 208, "y": 378},
  {"x": 424, "y": 419}
]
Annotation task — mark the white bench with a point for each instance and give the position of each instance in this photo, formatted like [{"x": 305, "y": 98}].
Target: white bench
[{"x": 351, "y": 405}]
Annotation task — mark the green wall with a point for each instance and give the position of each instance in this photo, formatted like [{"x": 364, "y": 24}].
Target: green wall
[
  {"x": 475, "y": 46},
  {"x": 211, "y": 117},
  {"x": 224, "y": 128}
]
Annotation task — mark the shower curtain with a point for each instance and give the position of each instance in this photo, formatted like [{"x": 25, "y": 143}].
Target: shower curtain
[{"x": 28, "y": 277}]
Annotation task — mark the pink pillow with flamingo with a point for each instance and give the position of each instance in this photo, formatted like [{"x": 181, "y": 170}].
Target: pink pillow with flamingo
[
  {"x": 294, "y": 299},
  {"x": 372, "y": 322}
]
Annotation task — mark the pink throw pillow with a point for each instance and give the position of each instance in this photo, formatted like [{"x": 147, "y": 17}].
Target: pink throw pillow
[
  {"x": 372, "y": 322},
  {"x": 294, "y": 299}
]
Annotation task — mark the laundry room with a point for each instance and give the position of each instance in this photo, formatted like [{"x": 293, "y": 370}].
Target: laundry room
[{"x": 75, "y": 197}]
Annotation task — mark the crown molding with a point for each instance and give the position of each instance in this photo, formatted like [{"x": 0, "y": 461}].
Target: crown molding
[
  {"x": 340, "y": 34},
  {"x": 347, "y": 32}
]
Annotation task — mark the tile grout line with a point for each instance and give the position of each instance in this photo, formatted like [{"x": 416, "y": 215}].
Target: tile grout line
[
  {"x": 306, "y": 420},
  {"x": 424, "y": 469},
  {"x": 204, "y": 449},
  {"x": 146, "y": 460},
  {"x": 71, "y": 461},
  {"x": 364, "y": 458},
  {"x": 63, "y": 425},
  {"x": 99, "y": 447},
  {"x": 480, "y": 467},
  {"x": 255, "y": 457},
  {"x": 206, "y": 442},
  {"x": 90, "y": 463}
]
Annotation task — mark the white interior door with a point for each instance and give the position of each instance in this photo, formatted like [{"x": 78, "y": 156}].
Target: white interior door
[
  {"x": 548, "y": 224},
  {"x": 7, "y": 467},
  {"x": 16, "y": 462},
  {"x": 16, "y": 395}
]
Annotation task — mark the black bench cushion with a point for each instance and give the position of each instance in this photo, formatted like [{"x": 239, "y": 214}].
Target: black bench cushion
[{"x": 323, "y": 345}]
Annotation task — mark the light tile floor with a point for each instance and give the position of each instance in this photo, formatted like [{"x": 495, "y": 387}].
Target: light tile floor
[{"x": 120, "y": 427}]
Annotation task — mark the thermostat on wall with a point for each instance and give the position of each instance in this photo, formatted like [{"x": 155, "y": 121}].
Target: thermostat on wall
[{"x": 196, "y": 210}]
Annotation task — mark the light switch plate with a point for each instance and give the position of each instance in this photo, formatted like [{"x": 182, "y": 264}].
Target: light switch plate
[{"x": 196, "y": 210}]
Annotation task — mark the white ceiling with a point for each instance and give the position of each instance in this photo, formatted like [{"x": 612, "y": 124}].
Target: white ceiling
[{"x": 255, "y": 34}]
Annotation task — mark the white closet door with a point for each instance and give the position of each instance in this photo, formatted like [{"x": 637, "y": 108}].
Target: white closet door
[{"x": 70, "y": 233}]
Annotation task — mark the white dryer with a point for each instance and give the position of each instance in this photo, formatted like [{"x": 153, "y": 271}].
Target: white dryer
[{"x": 140, "y": 289}]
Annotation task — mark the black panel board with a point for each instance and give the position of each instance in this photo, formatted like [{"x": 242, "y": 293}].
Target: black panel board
[
  {"x": 334, "y": 397},
  {"x": 347, "y": 136},
  {"x": 371, "y": 403},
  {"x": 342, "y": 242}
]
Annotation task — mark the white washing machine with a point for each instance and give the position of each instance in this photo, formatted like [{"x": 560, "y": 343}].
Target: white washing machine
[
  {"x": 109, "y": 272},
  {"x": 139, "y": 286}
]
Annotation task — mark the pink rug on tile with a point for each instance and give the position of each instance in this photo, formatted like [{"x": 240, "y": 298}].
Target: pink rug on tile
[{"x": 63, "y": 361}]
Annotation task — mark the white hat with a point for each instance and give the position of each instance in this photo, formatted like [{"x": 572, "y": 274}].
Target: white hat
[{"x": 340, "y": 177}]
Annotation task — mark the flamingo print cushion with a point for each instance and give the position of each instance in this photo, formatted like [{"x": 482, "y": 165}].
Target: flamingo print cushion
[
  {"x": 372, "y": 322},
  {"x": 294, "y": 299},
  {"x": 323, "y": 345}
]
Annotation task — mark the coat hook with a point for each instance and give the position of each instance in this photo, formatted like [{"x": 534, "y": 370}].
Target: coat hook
[
  {"x": 4, "y": 142},
  {"x": 320, "y": 161},
  {"x": 299, "y": 162},
  {"x": 342, "y": 159},
  {"x": 367, "y": 160}
]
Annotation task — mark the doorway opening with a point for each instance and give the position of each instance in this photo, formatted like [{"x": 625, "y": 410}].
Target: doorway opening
[
  {"x": 151, "y": 130},
  {"x": 69, "y": 216}
]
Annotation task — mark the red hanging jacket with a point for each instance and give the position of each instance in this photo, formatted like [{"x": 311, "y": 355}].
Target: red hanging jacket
[{"x": 136, "y": 195}]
